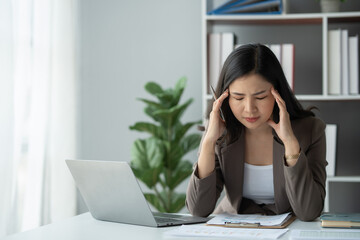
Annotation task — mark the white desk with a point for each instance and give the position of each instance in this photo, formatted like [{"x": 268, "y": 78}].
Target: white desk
[{"x": 84, "y": 226}]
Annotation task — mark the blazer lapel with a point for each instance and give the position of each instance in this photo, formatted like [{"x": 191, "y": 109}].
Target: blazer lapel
[
  {"x": 232, "y": 161},
  {"x": 281, "y": 201}
]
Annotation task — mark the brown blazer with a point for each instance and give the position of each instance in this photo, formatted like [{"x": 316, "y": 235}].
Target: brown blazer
[{"x": 299, "y": 189}]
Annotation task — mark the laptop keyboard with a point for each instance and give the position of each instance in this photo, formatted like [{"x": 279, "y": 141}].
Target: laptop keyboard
[{"x": 164, "y": 218}]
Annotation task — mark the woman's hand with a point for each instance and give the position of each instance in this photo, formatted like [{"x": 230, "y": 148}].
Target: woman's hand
[
  {"x": 215, "y": 128},
  {"x": 216, "y": 125},
  {"x": 283, "y": 129}
]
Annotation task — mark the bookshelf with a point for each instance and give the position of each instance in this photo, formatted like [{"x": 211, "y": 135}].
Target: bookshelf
[
  {"x": 309, "y": 33},
  {"x": 323, "y": 21}
]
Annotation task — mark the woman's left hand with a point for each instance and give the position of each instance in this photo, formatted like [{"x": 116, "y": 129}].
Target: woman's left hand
[{"x": 283, "y": 129}]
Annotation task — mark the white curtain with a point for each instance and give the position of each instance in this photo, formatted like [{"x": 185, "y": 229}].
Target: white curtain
[{"x": 37, "y": 112}]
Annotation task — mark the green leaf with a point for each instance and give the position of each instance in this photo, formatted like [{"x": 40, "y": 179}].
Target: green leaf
[
  {"x": 166, "y": 98},
  {"x": 180, "y": 84},
  {"x": 182, "y": 171},
  {"x": 147, "y": 153},
  {"x": 155, "y": 201},
  {"x": 152, "y": 104},
  {"x": 151, "y": 128},
  {"x": 148, "y": 176},
  {"x": 190, "y": 142},
  {"x": 149, "y": 110},
  {"x": 170, "y": 117},
  {"x": 174, "y": 153},
  {"x": 153, "y": 88},
  {"x": 179, "y": 89},
  {"x": 147, "y": 160},
  {"x": 181, "y": 130}
]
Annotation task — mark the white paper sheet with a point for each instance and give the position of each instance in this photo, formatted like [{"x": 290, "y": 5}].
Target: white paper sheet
[
  {"x": 210, "y": 231},
  {"x": 274, "y": 220},
  {"x": 328, "y": 234}
]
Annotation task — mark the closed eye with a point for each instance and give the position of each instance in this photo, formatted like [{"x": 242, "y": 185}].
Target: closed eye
[
  {"x": 261, "y": 98},
  {"x": 238, "y": 99}
]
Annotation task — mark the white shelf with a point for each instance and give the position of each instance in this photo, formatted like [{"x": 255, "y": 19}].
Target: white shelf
[
  {"x": 300, "y": 17},
  {"x": 327, "y": 97},
  {"x": 317, "y": 97},
  {"x": 343, "y": 179}
]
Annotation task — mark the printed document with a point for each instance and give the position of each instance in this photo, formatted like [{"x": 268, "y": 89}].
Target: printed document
[
  {"x": 261, "y": 220},
  {"x": 329, "y": 234},
  {"x": 223, "y": 232}
]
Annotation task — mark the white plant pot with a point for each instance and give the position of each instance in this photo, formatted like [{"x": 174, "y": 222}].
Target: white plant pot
[{"x": 330, "y": 6}]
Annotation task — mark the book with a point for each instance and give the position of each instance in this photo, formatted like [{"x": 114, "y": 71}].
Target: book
[
  {"x": 214, "y": 58},
  {"x": 334, "y": 62},
  {"x": 232, "y": 3},
  {"x": 227, "y": 46},
  {"x": 220, "y": 45},
  {"x": 330, "y": 133},
  {"x": 345, "y": 62},
  {"x": 340, "y": 220},
  {"x": 276, "y": 49},
  {"x": 285, "y": 6},
  {"x": 288, "y": 62},
  {"x": 250, "y": 7},
  {"x": 354, "y": 64}
]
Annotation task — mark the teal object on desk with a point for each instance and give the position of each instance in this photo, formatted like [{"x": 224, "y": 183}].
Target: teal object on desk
[{"x": 340, "y": 220}]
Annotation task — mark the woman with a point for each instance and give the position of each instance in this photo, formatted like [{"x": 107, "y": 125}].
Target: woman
[{"x": 268, "y": 151}]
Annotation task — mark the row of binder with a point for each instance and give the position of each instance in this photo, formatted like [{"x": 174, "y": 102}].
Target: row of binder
[
  {"x": 220, "y": 45},
  {"x": 249, "y": 7},
  {"x": 343, "y": 62}
]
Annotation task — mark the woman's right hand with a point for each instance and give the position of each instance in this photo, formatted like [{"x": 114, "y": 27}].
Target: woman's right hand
[{"x": 216, "y": 126}]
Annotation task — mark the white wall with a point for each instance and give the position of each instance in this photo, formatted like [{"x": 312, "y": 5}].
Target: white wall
[{"x": 123, "y": 45}]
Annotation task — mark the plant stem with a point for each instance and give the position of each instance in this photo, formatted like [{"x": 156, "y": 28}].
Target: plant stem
[
  {"x": 161, "y": 199},
  {"x": 169, "y": 194},
  {"x": 162, "y": 183}
]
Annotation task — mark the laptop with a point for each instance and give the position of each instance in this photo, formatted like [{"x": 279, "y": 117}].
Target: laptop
[{"x": 112, "y": 193}]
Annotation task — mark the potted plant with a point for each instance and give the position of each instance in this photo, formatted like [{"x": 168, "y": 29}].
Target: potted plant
[
  {"x": 330, "y": 5},
  {"x": 157, "y": 161}
]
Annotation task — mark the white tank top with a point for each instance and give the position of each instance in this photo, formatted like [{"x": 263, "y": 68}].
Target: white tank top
[{"x": 258, "y": 183}]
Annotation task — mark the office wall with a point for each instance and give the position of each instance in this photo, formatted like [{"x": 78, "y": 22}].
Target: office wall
[{"x": 123, "y": 45}]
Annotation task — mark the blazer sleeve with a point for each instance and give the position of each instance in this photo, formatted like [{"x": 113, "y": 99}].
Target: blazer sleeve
[
  {"x": 202, "y": 194},
  {"x": 305, "y": 181}
]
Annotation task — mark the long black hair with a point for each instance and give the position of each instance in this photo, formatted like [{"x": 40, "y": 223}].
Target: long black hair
[{"x": 257, "y": 59}]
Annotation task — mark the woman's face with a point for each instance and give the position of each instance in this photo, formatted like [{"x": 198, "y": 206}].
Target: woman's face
[{"x": 251, "y": 101}]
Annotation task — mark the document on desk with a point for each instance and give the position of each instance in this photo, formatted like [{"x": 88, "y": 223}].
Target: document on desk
[
  {"x": 329, "y": 234},
  {"x": 240, "y": 233},
  {"x": 249, "y": 220}
]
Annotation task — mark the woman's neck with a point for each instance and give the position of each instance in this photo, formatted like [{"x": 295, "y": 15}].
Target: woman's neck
[
  {"x": 261, "y": 131},
  {"x": 259, "y": 146}
]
